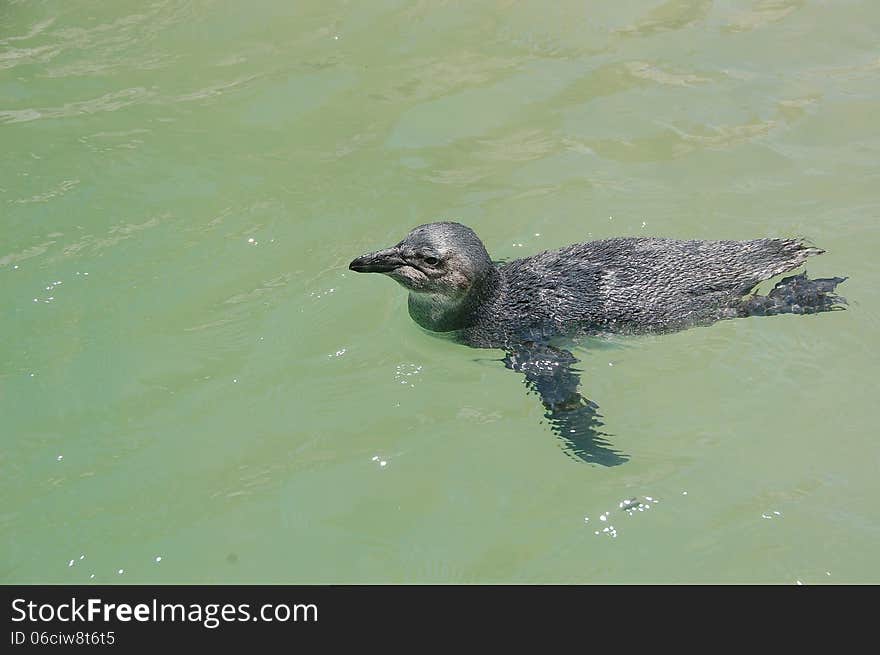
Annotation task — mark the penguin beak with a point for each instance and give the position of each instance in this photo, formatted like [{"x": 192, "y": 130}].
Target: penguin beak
[{"x": 381, "y": 261}]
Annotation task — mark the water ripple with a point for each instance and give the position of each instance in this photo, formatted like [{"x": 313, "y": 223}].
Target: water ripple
[{"x": 105, "y": 103}]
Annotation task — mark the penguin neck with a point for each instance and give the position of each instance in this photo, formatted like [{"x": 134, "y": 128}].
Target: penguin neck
[{"x": 439, "y": 313}]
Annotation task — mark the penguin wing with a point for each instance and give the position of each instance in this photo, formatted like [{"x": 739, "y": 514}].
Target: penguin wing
[{"x": 574, "y": 419}]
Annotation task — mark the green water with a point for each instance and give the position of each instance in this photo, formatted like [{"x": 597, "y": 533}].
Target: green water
[{"x": 188, "y": 371}]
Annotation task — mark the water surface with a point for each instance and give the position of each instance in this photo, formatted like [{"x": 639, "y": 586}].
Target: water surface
[{"x": 193, "y": 388}]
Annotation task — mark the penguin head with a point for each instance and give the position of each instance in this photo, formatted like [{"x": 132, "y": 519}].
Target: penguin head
[{"x": 442, "y": 259}]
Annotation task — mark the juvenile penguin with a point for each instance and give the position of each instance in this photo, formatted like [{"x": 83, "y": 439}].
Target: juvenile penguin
[{"x": 621, "y": 285}]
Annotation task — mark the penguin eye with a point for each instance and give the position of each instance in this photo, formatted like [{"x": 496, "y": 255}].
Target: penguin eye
[{"x": 432, "y": 261}]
